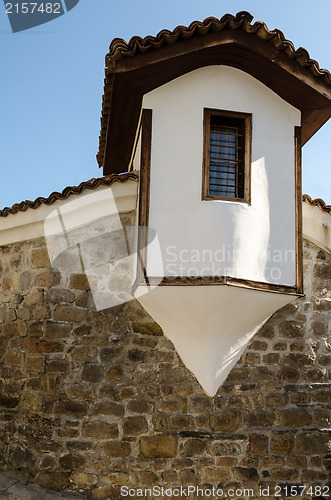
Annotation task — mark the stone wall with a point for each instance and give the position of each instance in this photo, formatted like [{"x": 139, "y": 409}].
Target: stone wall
[{"x": 91, "y": 401}]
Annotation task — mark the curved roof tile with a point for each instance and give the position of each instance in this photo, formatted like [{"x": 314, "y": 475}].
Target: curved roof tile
[
  {"x": 120, "y": 49},
  {"x": 242, "y": 20},
  {"x": 68, "y": 191},
  {"x": 318, "y": 202}
]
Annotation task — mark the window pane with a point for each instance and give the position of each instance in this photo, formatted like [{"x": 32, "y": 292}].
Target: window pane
[{"x": 223, "y": 165}]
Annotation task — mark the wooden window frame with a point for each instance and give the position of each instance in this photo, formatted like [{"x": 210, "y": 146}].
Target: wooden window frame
[
  {"x": 246, "y": 123},
  {"x": 144, "y": 196}
]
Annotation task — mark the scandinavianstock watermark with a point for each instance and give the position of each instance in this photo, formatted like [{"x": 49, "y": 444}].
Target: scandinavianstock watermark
[
  {"x": 95, "y": 236},
  {"x": 25, "y": 15},
  {"x": 88, "y": 236},
  {"x": 224, "y": 261}
]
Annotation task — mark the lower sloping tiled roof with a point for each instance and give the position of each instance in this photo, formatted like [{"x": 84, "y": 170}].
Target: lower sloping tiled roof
[
  {"x": 107, "y": 181},
  {"x": 68, "y": 191},
  {"x": 318, "y": 202}
]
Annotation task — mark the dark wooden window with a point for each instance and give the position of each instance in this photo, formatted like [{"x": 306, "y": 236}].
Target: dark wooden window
[{"x": 227, "y": 155}]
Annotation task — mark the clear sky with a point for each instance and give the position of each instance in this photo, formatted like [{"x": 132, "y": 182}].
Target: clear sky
[{"x": 52, "y": 84}]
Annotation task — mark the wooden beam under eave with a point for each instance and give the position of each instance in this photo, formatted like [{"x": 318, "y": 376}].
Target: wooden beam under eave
[
  {"x": 135, "y": 76},
  {"x": 122, "y": 124},
  {"x": 311, "y": 121}
]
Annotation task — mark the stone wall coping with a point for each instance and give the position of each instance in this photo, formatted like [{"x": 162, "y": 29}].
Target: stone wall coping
[
  {"x": 28, "y": 225},
  {"x": 317, "y": 226}
]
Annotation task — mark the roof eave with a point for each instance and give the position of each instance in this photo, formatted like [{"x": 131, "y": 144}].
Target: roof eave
[{"x": 265, "y": 55}]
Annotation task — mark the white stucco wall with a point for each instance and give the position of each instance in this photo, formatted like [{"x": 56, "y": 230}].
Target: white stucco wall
[
  {"x": 81, "y": 209},
  {"x": 220, "y": 237},
  {"x": 210, "y": 326}
]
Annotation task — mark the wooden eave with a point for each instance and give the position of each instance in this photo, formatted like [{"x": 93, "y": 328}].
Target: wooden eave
[{"x": 129, "y": 78}]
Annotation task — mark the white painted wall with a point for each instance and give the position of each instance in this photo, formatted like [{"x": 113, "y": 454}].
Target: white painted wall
[
  {"x": 222, "y": 237},
  {"x": 210, "y": 326},
  {"x": 317, "y": 226},
  {"x": 88, "y": 206}
]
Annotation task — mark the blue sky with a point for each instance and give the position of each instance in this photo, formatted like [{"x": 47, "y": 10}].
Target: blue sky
[{"x": 52, "y": 85}]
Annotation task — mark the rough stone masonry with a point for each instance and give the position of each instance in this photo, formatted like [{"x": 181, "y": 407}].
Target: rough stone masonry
[{"x": 92, "y": 401}]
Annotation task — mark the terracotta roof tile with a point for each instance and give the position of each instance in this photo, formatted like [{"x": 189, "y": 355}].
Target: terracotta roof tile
[
  {"x": 107, "y": 181},
  {"x": 119, "y": 49},
  {"x": 318, "y": 202},
  {"x": 68, "y": 191},
  {"x": 242, "y": 20}
]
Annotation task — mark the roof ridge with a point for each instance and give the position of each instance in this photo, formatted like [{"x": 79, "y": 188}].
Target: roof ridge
[{"x": 68, "y": 191}]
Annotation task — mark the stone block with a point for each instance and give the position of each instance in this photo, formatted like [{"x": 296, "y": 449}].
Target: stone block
[
  {"x": 99, "y": 430},
  {"x": 58, "y": 366},
  {"x": 40, "y": 258},
  {"x": 47, "y": 279},
  {"x": 259, "y": 418},
  {"x": 200, "y": 404},
  {"x": 12, "y": 358},
  {"x": 312, "y": 443},
  {"x": 41, "y": 346},
  {"x": 8, "y": 402},
  {"x": 180, "y": 422},
  {"x": 35, "y": 297},
  {"x": 114, "y": 373},
  {"x": 170, "y": 374},
  {"x": 132, "y": 426},
  {"x": 69, "y": 313},
  {"x": 276, "y": 399},
  {"x": 168, "y": 406},
  {"x": 322, "y": 271},
  {"x": 288, "y": 374},
  {"x": 60, "y": 295},
  {"x": 111, "y": 354},
  {"x": 227, "y": 421},
  {"x": 81, "y": 392},
  {"x": 31, "y": 402},
  {"x": 83, "y": 480},
  {"x": 115, "y": 449},
  {"x": 53, "y": 480},
  {"x": 147, "y": 328},
  {"x": 92, "y": 373},
  {"x": 293, "y": 417},
  {"x": 283, "y": 474},
  {"x": 214, "y": 475},
  {"x": 35, "y": 363},
  {"x": 71, "y": 408},
  {"x": 292, "y": 329},
  {"x": 71, "y": 462},
  {"x": 85, "y": 353},
  {"x": 79, "y": 282},
  {"x": 109, "y": 408},
  {"x": 158, "y": 446},
  {"x": 137, "y": 356},
  {"x": 258, "y": 345},
  {"x": 257, "y": 445},
  {"x": 140, "y": 406},
  {"x": 244, "y": 474},
  {"x": 10, "y": 329},
  {"x": 282, "y": 444},
  {"x": 194, "y": 447},
  {"x": 299, "y": 360}
]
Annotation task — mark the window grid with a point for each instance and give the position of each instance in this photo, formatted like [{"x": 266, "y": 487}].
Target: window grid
[
  {"x": 224, "y": 161},
  {"x": 227, "y": 156}
]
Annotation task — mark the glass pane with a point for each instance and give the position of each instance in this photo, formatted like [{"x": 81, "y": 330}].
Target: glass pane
[{"x": 223, "y": 165}]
